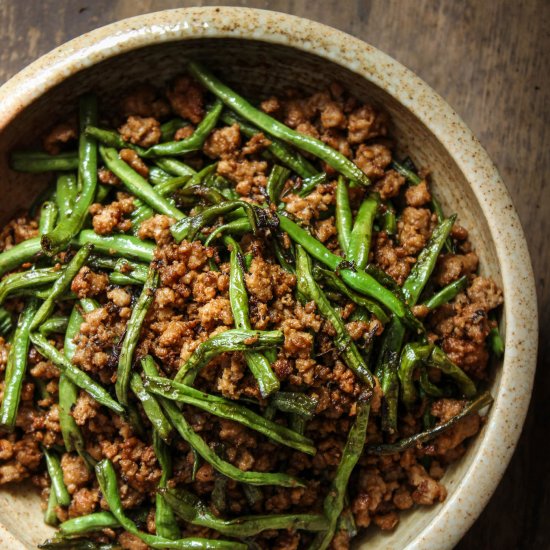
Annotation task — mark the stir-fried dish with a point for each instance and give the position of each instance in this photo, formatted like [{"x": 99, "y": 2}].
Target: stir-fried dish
[{"x": 235, "y": 325}]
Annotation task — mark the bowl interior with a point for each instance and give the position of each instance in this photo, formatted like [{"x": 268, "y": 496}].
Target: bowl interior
[{"x": 256, "y": 69}]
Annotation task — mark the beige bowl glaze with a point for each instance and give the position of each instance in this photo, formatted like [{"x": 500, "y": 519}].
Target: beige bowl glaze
[{"x": 260, "y": 52}]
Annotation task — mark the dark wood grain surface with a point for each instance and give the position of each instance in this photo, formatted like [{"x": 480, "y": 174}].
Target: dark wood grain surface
[{"x": 491, "y": 61}]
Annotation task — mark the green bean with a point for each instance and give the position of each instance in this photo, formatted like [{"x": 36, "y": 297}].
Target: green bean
[
  {"x": 54, "y": 325},
  {"x": 131, "y": 336},
  {"x": 441, "y": 361},
  {"x": 188, "y": 228},
  {"x": 383, "y": 278},
  {"x": 48, "y": 217},
  {"x": 88, "y": 523},
  {"x": 61, "y": 285},
  {"x": 27, "y": 279},
  {"x": 16, "y": 367},
  {"x": 151, "y": 407},
  {"x": 287, "y": 156},
  {"x": 125, "y": 246},
  {"x": 225, "y": 408},
  {"x": 298, "y": 423},
  {"x": 308, "y": 287},
  {"x": 6, "y": 322},
  {"x": 496, "y": 343},
  {"x": 191, "y": 193},
  {"x": 427, "y": 386},
  {"x": 413, "y": 354},
  {"x": 203, "y": 449},
  {"x": 194, "y": 142},
  {"x": 120, "y": 279},
  {"x": 110, "y": 138},
  {"x": 133, "y": 269},
  {"x": 344, "y": 218},
  {"x": 56, "y": 476},
  {"x": 333, "y": 281},
  {"x": 406, "y": 173},
  {"x": 58, "y": 239},
  {"x": 166, "y": 525},
  {"x": 106, "y": 477},
  {"x": 425, "y": 264},
  {"x": 284, "y": 256},
  {"x": 273, "y": 127},
  {"x": 65, "y": 195},
  {"x": 72, "y": 436},
  {"x": 224, "y": 186},
  {"x": 44, "y": 293},
  {"x": 88, "y": 305},
  {"x": 310, "y": 183},
  {"x": 334, "y": 501},
  {"x": 80, "y": 378},
  {"x": 294, "y": 403},
  {"x": 389, "y": 219},
  {"x": 200, "y": 177},
  {"x": 174, "y": 167},
  {"x": 257, "y": 362},
  {"x": 158, "y": 175},
  {"x": 192, "y": 510},
  {"x": 19, "y": 254},
  {"x": 230, "y": 340},
  {"x": 238, "y": 227},
  {"x": 138, "y": 185},
  {"x": 169, "y": 128},
  {"x": 361, "y": 233},
  {"x": 475, "y": 405},
  {"x": 143, "y": 212},
  {"x": 102, "y": 262},
  {"x": 50, "y": 515},
  {"x": 275, "y": 183},
  {"x": 447, "y": 293},
  {"x": 386, "y": 371},
  {"x": 218, "y": 496},
  {"x": 358, "y": 280},
  {"x": 35, "y": 162}
]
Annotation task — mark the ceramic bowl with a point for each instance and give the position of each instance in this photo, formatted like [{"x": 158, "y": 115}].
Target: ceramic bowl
[{"x": 262, "y": 52}]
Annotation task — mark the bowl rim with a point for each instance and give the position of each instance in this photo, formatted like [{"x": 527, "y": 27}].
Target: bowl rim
[{"x": 508, "y": 412}]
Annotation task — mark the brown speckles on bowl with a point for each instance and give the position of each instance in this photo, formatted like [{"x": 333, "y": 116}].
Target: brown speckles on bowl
[{"x": 271, "y": 50}]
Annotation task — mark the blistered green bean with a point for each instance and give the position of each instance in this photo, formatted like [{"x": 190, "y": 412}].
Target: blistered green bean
[
  {"x": 344, "y": 219},
  {"x": 16, "y": 367},
  {"x": 192, "y": 510},
  {"x": 80, "y": 378},
  {"x": 131, "y": 336},
  {"x": 225, "y": 408},
  {"x": 226, "y": 468},
  {"x": 230, "y": 340},
  {"x": 399, "y": 446},
  {"x": 61, "y": 285},
  {"x": 36, "y": 162},
  {"x": 57, "y": 240},
  {"x": 334, "y": 501},
  {"x": 238, "y": 297},
  {"x": 345, "y": 345},
  {"x": 275, "y": 128},
  {"x": 106, "y": 477}
]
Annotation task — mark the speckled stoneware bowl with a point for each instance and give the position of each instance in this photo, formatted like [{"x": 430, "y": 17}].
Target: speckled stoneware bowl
[{"x": 261, "y": 52}]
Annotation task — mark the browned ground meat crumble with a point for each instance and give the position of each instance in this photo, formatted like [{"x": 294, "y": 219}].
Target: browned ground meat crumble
[{"x": 192, "y": 304}]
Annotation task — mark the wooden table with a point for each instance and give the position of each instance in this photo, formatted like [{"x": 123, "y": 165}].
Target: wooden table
[{"x": 491, "y": 61}]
